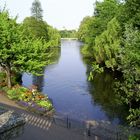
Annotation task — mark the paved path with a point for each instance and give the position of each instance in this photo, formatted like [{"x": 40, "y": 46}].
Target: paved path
[{"x": 40, "y": 128}]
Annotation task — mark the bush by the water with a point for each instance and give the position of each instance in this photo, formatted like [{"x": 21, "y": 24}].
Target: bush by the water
[{"x": 134, "y": 137}]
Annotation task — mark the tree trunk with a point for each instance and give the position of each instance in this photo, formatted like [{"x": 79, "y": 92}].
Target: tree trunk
[{"x": 8, "y": 76}]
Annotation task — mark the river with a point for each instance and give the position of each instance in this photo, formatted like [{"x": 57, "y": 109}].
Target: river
[{"x": 66, "y": 84}]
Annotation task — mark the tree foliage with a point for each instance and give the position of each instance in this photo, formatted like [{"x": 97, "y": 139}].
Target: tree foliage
[
  {"x": 104, "y": 12},
  {"x": 36, "y": 28},
  {"x": 39, "y": 29},
  {"x": 18, "y": 53},
  {"x": 107, "y": 45},
  {"x": 129, "y": 87},
  {"x": 54, "y": 36},
  {"x": 131, "y": 12},
  {"x": 112, "y": 38},
  {"x": 68, "y": 33},
  {"x": 83, "y": 29}
]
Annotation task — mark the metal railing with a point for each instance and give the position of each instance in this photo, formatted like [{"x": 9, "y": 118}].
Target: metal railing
[{"x": 97, "y": 129}]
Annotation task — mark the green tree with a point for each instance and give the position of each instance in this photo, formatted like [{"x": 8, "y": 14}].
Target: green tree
[
  {"x": 36, "y": 28},
  {"x": 83, "y": 28},
  {"x": 131, "y": 12},
  {"x": 129, "y": 87},
  {"x": 68, "y": 33},
  {"x": 113, "y": 40},
  {"x": 54, "y": 36},
  {"x": 107, "y": 45},
  {"x": 39, "y": 29},
  {"x": 17, "y": 53},
  {"x": 104, "y": 12},
  {"x": 36, "y": 10}
]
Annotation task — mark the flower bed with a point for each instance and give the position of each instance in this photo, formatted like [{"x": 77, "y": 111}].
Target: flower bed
[{"x": 31, "y": 99}]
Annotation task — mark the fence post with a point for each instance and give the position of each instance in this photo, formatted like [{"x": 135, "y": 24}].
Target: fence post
[
  {"x": 53, "y": 120},
  {"x": 88, "y": 130},
  {"x": 117, "y": 135},
  {"x": 68, "y": 123}
]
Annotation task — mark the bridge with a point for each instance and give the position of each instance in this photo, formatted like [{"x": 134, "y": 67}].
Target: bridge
[{"x": 69, "y": 38}]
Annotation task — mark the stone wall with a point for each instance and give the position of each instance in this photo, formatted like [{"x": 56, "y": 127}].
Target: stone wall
[{"x": 10, "y": 120}]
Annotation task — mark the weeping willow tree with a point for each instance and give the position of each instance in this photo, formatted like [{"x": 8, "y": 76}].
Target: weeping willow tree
[{"x": 107, "y": 45}]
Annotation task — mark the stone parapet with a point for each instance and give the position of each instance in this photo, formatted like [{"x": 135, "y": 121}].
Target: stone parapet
[{"x": 10, "y": 120}]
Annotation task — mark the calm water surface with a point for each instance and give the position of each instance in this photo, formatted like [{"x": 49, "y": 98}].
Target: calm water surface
[{"x": 66, "y": 84}]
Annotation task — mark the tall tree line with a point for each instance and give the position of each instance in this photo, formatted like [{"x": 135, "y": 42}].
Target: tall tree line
[{"x": 112, "y": 41}]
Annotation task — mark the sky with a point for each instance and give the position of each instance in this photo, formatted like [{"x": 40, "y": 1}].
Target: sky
[{"x": 58, "y": 13}]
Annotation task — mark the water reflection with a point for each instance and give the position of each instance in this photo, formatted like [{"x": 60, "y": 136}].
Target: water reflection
[
  {"x": 101, "y": 89},
  {"x": 39, "y": 81}
]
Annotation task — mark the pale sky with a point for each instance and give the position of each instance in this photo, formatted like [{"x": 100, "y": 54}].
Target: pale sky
[{"x": 58, "y": 13}]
